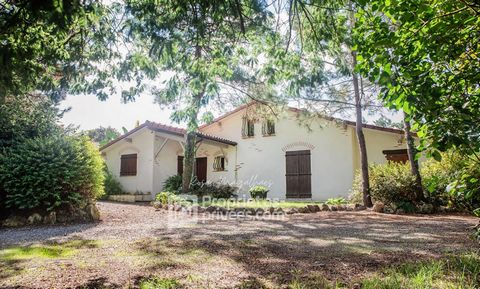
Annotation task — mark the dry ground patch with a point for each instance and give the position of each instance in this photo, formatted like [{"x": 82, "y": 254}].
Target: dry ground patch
[{"x": 135, "y": 241}]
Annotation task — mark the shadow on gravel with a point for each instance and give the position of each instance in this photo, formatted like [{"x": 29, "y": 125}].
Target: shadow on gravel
[
  {"x": 340, "y": 246},
  {"x": 30, "y": 235}
]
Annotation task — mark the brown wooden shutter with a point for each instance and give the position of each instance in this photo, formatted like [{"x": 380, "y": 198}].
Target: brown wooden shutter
[
  {"x": 396, "y": 156},
  {"x": 180, "y": 165},
  {"x": 298, "y": 174},
  {"x": 128, "y": 165}
]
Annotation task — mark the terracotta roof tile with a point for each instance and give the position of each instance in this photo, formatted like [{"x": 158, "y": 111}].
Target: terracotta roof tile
[{"x": 168, "y": 129}]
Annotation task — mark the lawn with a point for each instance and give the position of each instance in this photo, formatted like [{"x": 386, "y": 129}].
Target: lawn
[{"x": 137, "y": 247}]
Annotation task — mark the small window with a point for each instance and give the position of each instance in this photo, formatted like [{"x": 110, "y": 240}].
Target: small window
[
  {"x": 248, "y": 127},
  {"x": 219, "y": 163},
  {"x": 268, "y": 128},
  {"x": 128, "y": 165}
]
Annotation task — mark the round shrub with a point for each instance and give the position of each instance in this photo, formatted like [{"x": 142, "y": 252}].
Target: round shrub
[
  {"x": 389, "y": 183},
  {"x": 259, "y": 192},
  {"x": 50, "y": 172}
]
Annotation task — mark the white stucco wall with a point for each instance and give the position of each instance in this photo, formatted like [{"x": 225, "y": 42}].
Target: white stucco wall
[
  {"x": 141, "y": 144},
  {"x": 334, "y": 153},
  {"x": 257, "y": 160},
  {"x": 165, "y": 164}
]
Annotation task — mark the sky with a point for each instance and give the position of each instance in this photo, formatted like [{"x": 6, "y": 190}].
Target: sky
[{"x": 88, "y": 112}]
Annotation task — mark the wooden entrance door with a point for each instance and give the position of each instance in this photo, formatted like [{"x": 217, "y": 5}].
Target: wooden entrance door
[
  {"x": 200, "y": 168},
  {"x": 298, "y": 174}
]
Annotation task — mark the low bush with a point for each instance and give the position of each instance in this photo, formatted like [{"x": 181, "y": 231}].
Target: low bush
[
  {"x": 173, "y": 184},
  {"x": 50, "y": 172},
  {"x": 111, "y": 185},
  {"x": 389, "y": 183},
  {"x": 336, "y": 201},
  {"x": 166, "y": 198},
  {"x": 259, "y": 192},
  {"x": 454, "y": 181},
  {"x": 216, "y": 190}
]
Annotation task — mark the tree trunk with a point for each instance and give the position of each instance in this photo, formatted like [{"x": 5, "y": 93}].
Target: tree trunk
[
  {"x": 412, "y": 151},
  {"x": 188, "y": 161},
  {"x": 367, "y": 200}
]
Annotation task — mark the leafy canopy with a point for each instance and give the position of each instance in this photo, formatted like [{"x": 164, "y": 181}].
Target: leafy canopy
[
  {"x": 54, "y": 47},
  {"x": 424, "y": 55},
  {"x": 194, "y": 45}
]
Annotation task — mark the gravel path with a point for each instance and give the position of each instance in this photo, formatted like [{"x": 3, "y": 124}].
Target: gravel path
[{"x": 135, "y": 240}]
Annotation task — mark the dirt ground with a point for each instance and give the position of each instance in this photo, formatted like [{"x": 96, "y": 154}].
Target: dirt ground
[{"x": 135, "y": 241}]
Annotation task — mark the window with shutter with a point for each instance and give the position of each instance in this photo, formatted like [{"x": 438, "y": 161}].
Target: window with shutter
[
  {"x": 128, "y": 165},
  {"x": 219, "y": 164},
  {"x": 268, "y": 128},
  {"x": 248, "y": 127}
]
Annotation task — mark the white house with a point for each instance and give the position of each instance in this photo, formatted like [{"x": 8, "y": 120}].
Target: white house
[{"x": 241, "y": 148}]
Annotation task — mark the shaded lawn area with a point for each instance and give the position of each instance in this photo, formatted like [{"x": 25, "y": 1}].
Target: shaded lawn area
[{"x": 137, "y": 247}]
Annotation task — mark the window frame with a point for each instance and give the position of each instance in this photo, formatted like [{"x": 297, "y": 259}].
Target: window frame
[
  {"x": 248, "y": 127},
  {"x": 125, "y": 170},
  {"x": 268, "y": 128},
  {"x": 220, "y": 165}
]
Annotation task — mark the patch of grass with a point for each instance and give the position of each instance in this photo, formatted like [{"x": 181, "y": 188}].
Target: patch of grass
[
  {"x": 53, "y": 250},
  {"x": 259, "y": 204},
  {"x": 158, "y": 283},
  {"x": 336, "y": 201},
  {"x": 457, "y": 272},
  {"x": 18, "y": 253}
]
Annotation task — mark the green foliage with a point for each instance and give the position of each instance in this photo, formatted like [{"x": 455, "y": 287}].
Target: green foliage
[
  {"x": 216, "y": 190},
  {"x": 384, "y": 121},
  {"x": 111, "y": 185},
  {"x": 50, "y": 46},
  {"x": 50, "y": 172},
  {"x": 169, "y": 198},
  {"x": 389, "y": 183},
  {"x": 259, "y": 192},
  {"x": 424, "y": 56},
  {"x": 173, "y": 184},
  {"x": 459, "y": 272},
  {"x": 200, "y": 43},
  {"x": 102, "y": 135},
  {"x": 336, "y": 201},
  {"x": 453, "y": 181},
  {"x": 25, "y": 118}
]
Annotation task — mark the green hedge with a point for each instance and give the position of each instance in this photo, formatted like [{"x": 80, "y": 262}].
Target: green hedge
[
  {"x": 51, "y": 172},
  {"x": 111, "y": 185},
  {"x": 454, "y": 181},
  {"x": 389, "y": 183}
]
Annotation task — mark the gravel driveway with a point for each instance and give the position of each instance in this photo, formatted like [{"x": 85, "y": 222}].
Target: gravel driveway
[{"x": 134, "y": 241}]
